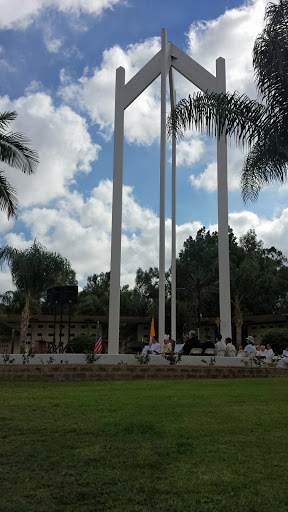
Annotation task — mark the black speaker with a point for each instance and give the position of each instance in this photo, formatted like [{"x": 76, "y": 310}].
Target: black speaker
[{"x": 62, "y": 295}]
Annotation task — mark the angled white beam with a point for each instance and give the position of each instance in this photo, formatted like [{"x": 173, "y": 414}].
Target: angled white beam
[
  {"x": 189, "y": 68},
  {"x": 173, "y": 216},
  {"x": 223, "y": 237},
  {"x": 142, "y": 80}
]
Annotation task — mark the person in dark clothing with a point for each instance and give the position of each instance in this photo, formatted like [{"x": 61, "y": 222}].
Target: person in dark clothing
[
  {"x": 208, "y": 344},
  {"x": 192, "y": 342}
]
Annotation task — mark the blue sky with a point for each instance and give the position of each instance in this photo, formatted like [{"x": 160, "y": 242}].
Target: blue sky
[{"x": 58, "y": 60}]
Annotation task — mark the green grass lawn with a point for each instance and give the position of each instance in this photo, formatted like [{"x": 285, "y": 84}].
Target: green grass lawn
[{"x": 170, "y": 446}]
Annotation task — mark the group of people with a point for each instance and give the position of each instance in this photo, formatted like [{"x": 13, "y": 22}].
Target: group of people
[{"x": 222, "y": 347}]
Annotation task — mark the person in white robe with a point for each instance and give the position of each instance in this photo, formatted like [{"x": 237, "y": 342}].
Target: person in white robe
[
  {"x": 229, "y": 347},
  {"x": 269, "y": 353},
  {"x": 262, "y": 352},
  {"x": 153, "y": 347},
  {"x": 283, "y": 362},
  {"x": 220, "y": 345},
  {"x": 250, "y": 349},
  {"x": 167, "y": 346}
]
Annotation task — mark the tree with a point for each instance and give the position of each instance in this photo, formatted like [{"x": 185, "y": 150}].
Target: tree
[
  {"x": 197, "y": 275},
  {"x": 264, "y": 126},
  {"x": 34, "y": 270},
  {"x": 14, "y": 152},
  {"x": 95, "y": 295}
]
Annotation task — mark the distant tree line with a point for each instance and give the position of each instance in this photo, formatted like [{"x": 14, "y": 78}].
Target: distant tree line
[{"x": 259, "y": 278}]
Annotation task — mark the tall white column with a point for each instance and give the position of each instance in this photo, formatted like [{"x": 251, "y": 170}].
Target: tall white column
[
  {"x": 173, "y": 248},
  {"x": 161, "y": 319},
  {"x": 114, "y": 303},
  {"x": 223, "y": 237}
]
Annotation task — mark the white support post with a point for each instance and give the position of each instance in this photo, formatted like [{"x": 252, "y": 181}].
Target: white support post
[
  {"x": 173, "y": 263},
  {"x": 161, "y": 319},
  {"x": 114, "y": 303},
  {"x": 173, "y": 226},
  {"x": 223, "y": 237}
]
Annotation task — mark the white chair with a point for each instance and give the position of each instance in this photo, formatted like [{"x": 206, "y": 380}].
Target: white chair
[
  {"x": 251, "y": 354},
  {"x": 178, "y": 347},
  {"x": 232, "y": 353},
  {"x": 210, "y": 352},
  {"x": 196, "y": 352},
  {"x": 221, "y": 353},
  {"x": 242, "y": 353}
]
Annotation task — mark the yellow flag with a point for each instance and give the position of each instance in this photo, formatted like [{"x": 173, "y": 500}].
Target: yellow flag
[{"x": 152, "y": 329}]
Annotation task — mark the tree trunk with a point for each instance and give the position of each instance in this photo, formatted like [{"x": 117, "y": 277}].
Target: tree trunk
[
  {"x": 238, "y": 319},
  {"x": 238, "y": 333},
  {"x": 24, "y": 323}
]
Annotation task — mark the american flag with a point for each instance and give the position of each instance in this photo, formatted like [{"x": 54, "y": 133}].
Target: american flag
[{"x": 98, "y": 346}]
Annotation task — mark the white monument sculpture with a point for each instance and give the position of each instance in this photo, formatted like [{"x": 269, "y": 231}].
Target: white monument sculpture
[{"x": 162, "y": 63}]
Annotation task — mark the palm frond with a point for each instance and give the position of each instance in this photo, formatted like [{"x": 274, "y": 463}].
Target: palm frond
[
  {"x": 270, "y": 56},
  {"x": 15, "y": 152},
  {"x": 267, "y": 162},
  {"x": 8, "y": 199},
  {"x": 5, "y": 118},
  {"x": 217, "y": 113}
]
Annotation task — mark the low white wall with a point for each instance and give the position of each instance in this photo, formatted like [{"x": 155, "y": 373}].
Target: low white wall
[{"x": 122, "y": 358}]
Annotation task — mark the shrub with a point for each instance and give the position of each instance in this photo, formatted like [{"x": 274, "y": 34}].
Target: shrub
[
  {"x": 143, "y": 358},
  {"x": 82, "y": 344},
  {"x": 278, "y": 339}
]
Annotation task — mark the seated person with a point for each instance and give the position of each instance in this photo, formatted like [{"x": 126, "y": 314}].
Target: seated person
[
  {"x": 229, "y": 346},
  {"x": 219, "y": 344},
  {"x": 153, "y": 347},
  {"x": 283, "y": 362},
  {"x": 192, "y": 342},
  {"x": 240, "y": 349},
  {"x": 208, "y": 344},
  {"x": 262, "y": 352},
  {"x": 249, "y": 348},
  {"x": 167, "y": 345},
  {"x": 269, "y": 353}
]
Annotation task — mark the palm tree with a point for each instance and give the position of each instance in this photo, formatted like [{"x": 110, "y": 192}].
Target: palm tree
[
  {"x": 263, "y": 126},
  {"x": 34, "y": 270},
  {"x": 14, "y": 152}
]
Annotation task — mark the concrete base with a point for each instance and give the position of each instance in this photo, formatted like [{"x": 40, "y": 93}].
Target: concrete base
[
  {"x": 125, "y": 358},
  {"x": 110, "y": 372}
]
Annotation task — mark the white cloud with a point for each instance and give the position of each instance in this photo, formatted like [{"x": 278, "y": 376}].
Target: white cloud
[
  {"x": 19, "y": 14},
  {"x": 208, "y": 178},
  {"x": 189, "y": 150},
  {"x": 272, "y": 231},
  {"x": 231, "y": 36},
  {"x": 80, "y": 229},
  {"x": 53, "y": 45},
  {"x": 96, "y": 95},
  {"x": 62, "y": 140}
]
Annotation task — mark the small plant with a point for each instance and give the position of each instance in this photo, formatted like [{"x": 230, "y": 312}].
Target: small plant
[
  {"x": 7, "y": 359},
  {"x": 143, "y": 358},
  {"x": 258, "y": 362},
  {"x": 121, "y": 362},
  {"x": 51, "y": 360},
  {"x": 26, "y": 357},
  {"x": 92, "y": 358},
  {"x": 245, "y": 362},
  {"x": 212, "y": 361},
  {"x": 173, "y": 358},
  {"x": 63, "y": 361},
  {"x": 42, "y": 362}
]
